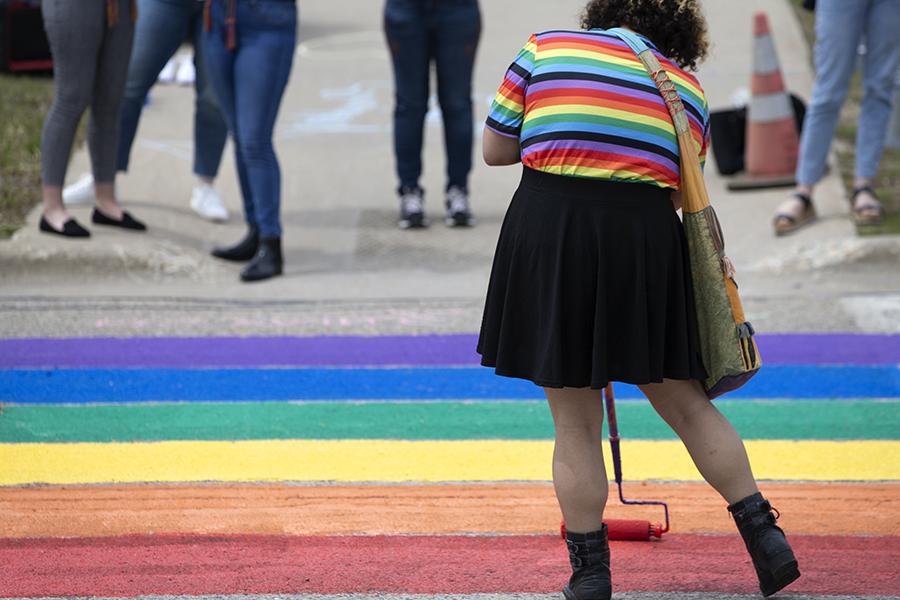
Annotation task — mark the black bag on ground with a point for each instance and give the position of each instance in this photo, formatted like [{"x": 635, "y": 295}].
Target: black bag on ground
[{"x": 728, "y": 131}]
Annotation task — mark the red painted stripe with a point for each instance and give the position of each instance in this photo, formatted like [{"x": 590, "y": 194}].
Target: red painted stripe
[{"x": 192, "y": 565}]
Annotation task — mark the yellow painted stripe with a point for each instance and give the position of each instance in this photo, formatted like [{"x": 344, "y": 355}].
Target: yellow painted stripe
[{"x": 382, "y": 460}]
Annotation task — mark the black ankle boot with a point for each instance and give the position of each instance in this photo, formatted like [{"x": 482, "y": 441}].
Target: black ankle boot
[
  {"x": 244, "y": 250},
  {"x": 266, "y": 263},
  {"x": 589, "y": 556},
  {"x": 772, "y": 556}
]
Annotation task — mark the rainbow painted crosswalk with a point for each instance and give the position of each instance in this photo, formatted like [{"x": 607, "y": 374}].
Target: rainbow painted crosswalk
[{"x": 241, "y": 465}]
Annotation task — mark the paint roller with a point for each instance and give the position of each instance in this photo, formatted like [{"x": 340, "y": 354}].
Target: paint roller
[{"x": 625, "y": 529}]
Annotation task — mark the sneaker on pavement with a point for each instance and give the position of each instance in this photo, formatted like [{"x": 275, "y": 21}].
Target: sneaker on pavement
[
  {"x": 80, "y": 192},
  {"x": 412, "y": 208},
  {"x": 458, "y": 212},
  {"x": 186, "y": 73},
  {"x": 207, "y": 203},
  {"x": 167, "y": 75}
]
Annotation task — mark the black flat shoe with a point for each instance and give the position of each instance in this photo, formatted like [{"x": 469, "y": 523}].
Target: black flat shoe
[
  {"x": 71, "y": 229},
  {"x": 126, "y": 222}
]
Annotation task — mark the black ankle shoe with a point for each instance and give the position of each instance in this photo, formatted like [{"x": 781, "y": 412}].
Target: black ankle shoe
[
  {"x": 772, "y": 556},
  {"x": 244, "y": 250},
  {"x": 71, "y": 229},
  {"x": 589, "y": 557},
  {"x": 266, "y": 263}
]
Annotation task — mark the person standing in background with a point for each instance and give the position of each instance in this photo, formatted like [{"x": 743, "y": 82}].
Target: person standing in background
[
  {"x": 249, "y": 47},
  {"x": 162, "y": 28},
  {"x": 91, "y": 44},
  {"x": 840, "y": 28},
  {"x": 418, "y": 33}
]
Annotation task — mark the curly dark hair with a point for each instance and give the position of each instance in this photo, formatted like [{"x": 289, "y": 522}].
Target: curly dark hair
[{"x": 676, "y": 27}]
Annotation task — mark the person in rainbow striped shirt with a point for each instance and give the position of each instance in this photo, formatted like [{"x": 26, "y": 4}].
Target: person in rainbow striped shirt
[{"x": 590, "y": 282}]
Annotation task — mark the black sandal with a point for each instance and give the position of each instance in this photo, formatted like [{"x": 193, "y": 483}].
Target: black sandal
[
  {"x": 786, "y": 223},
  {"x": 859, "y": 215}
]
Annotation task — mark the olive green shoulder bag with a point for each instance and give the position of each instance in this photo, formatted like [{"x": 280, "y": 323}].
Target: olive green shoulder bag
[{"x": 727, "y": 346}]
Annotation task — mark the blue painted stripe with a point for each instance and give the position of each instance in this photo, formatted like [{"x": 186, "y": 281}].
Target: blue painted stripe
[{"x": 42, "y": 386}]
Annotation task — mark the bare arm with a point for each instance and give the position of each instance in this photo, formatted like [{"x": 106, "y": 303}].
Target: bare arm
[
  {"x": 676, "y": 200},
  {"x": 500, "y": 150}
]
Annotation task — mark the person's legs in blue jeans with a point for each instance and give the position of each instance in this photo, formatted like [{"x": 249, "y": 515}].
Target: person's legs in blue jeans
[
  {"x": 881, "y": 61},
  {"x": 405, "y": 27},
  {"x": 210, "y": 129},
  {"x": 219, "y": 62},
  {"x": 159, "y": 31},
  {"x": 456, "y": 28},
  {"x": 249, "y": 81},
  {"x": 839, "y": 29},
  {"x": 262, "y": 67}
]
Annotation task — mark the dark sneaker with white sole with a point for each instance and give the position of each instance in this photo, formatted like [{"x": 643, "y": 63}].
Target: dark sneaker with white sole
[
  {"x": 458, "y": 212},
  {"x": 412, "y": 208}
]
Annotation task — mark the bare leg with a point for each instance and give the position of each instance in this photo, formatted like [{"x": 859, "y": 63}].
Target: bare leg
[
  {"x": 579, "y": 475},
  {"x": 54, "y": 210},
  {"x": 106, "y": 200},
  {"x": 714, "y": 445}
]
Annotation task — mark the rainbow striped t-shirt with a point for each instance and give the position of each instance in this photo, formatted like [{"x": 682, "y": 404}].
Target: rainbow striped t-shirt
[{"x": 582, "y": 104}]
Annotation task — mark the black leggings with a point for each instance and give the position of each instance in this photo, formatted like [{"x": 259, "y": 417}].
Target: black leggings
[{"x": 90, "y": 63}]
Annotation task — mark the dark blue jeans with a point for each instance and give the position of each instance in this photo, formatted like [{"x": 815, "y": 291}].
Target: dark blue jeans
[
  {"x": 249, "y": 82},
  {"x": 446, "y": 33},
  {"x": 161, "y": 28}
]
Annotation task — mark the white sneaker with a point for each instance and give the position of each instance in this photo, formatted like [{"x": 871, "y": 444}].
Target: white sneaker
[
  {"x": 167, "y": 75},
  {"x": 80, "y": 192},
  {"x": 186, "y": 73},
  {"x": 207, "y": 203}
]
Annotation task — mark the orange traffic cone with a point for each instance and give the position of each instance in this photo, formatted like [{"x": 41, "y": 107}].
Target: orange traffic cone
[{"x": 772, "y": 138}]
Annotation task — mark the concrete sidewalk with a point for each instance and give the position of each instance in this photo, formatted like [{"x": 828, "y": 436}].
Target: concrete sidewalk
[{"x": 348, "y": 268}]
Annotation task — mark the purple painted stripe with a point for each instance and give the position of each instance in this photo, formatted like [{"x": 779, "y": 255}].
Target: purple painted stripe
[
  {"x": 239, "y": 351},
  {"x": 459, "y": 349}
]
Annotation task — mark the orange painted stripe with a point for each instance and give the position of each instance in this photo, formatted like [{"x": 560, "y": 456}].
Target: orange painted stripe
[{"x": 91, "y": 511}]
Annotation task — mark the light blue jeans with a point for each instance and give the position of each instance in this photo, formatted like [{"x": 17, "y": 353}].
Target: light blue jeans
[{"x": 841, "y": 25}]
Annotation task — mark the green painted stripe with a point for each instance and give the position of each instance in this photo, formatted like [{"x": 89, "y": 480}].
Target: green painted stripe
[{"x": 520, "y": 420}]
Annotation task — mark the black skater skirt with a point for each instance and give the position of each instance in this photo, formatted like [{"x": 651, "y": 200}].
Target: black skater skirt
[{"x": 590, "y": 284}]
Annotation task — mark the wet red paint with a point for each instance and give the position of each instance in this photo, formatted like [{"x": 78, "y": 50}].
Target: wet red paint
[{"x": 191, "y": 565}]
